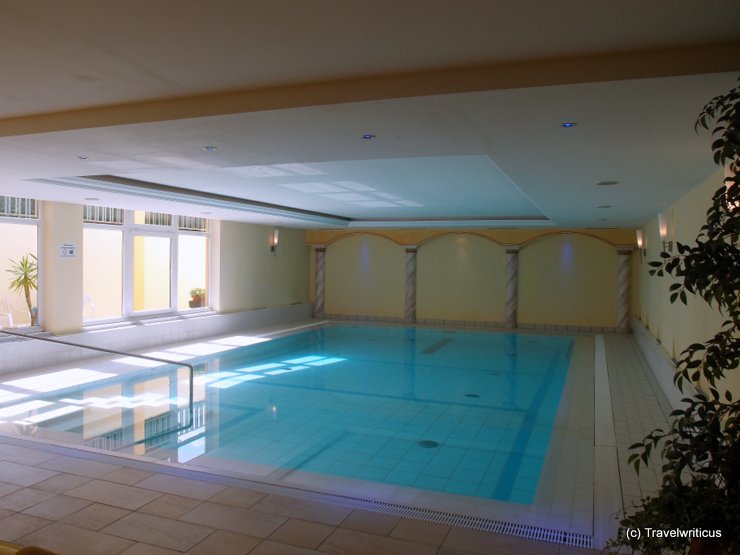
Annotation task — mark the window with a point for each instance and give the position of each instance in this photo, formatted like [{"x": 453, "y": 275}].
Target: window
[
  {"x": 140, "y": 262},
  {"x": 102, "y": 272},
  {"x": 17, "y": 207},
  {"x": 152, "y": 272},
  {"x": 18, "y": 264},
  {"x": 191, "y": 272}
]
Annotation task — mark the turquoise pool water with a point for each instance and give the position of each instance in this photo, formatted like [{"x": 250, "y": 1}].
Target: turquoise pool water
[
  {"x": 465, "y": 413},
  {"x": 458, "y": 412}
]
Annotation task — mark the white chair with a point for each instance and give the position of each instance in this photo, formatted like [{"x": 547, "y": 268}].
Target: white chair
[
  {"x": 6, "y": 313},
  {"x": 88, "y": 307}
]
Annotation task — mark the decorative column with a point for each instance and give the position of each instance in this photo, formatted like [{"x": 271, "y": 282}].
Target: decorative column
[
  {"x": 623, "y": 289},
  {"x": 410, "y": 300},
  {"x": 512, "y": 288},
  {"x": 320, "y": 274}
]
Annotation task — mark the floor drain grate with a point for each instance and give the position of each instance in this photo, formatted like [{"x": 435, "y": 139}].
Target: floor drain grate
[{"x": 428, "y": 444}]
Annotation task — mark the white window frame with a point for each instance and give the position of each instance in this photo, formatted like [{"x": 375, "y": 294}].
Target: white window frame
[
  {"x": 130, "y": 230},
  {"x": 35, "y": 222}
]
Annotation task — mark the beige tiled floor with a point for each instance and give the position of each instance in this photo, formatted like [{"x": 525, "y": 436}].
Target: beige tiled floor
[
  {"x": 50, "y": 501},
  {"x": 639, "y": 407},
  {"x": 75, "y": 505}
]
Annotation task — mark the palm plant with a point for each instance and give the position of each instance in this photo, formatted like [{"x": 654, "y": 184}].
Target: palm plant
[{"x": 25, "y": 279}]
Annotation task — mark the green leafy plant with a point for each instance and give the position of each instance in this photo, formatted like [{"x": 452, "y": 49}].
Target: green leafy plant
[
  {"x": 197, "y": 297},
  {"x": 701, "y": 450},
  {"x": 25, "y": 279}
]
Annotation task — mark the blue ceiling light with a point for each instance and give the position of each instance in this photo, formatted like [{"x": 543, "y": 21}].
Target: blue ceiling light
[
  {"x": 568, "y": 124},
  {"x": 368, "y": 136},
  {"x": 82, "y": 157},
  {"x": 209, "y": 148}
]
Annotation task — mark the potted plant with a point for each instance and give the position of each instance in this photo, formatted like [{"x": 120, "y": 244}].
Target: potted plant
[
  {"x": 700, "y": 490},
  {"x": 25, "y": 279},
  {"x": 197, "y": 297}
]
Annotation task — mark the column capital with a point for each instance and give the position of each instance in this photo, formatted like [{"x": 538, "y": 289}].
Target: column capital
[
  {"x": 625, "y": 249},
  {"x": 410, "y": 248},
  {"x": 319, "y": 248},
  {"x": 511, "y": 249}
]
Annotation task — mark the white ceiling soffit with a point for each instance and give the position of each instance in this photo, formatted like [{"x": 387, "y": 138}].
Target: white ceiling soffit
[
  {"x": 142, "y": 189},
  {"x": 293, "y": 192},
  {"x": 410, "y": 192}
]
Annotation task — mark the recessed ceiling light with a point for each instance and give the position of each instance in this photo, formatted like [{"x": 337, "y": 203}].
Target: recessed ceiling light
[
  {"x": 368, "y": 136},
  {"x": 568, "y": 124},
  {"x": 604, "y": 206},
  {"x": 209, "y": 148},
  {"x": 607, "y": 183},
  {"x": 91, "y": 198},
  {"x": 206, "y": 213},
  {"x": 82, "y": 157}
]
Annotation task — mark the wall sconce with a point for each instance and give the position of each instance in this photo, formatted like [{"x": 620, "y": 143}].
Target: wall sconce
[
  {"x": 663, "y": 229},
  {"x": 641, "y": 243},
  {"x": 274, "y": 240}
]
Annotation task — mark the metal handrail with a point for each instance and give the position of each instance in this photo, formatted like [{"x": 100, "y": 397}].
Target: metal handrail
[{"x": 190, "y": 367}]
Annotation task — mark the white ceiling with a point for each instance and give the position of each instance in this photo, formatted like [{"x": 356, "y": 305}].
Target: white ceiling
[{"x": 465, "y": 101}]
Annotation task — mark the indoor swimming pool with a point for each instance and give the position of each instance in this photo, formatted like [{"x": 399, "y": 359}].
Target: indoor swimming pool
[{"x": 466, "y": 413}]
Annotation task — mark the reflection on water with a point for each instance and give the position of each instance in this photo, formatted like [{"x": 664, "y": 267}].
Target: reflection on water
[{"x": 466, "y": 413}]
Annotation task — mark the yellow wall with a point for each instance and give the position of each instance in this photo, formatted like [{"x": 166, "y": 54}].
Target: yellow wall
[
  {"x": 568, "y": 279},
  {"x": 251, "y": 276},
  {"x": 365, "y": 274},
  {"x": 676, "y": 325},
  {"x": 564, "y": 278},
  {"x": 60, "y": 278},
  {"x": 461, "y": 277}
]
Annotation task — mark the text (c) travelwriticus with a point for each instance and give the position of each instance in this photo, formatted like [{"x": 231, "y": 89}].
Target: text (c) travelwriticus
[{"x": 637, "y": 533}]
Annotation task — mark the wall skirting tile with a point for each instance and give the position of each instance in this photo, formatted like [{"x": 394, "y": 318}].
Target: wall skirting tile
[
  {"x": 20, "y": 355},
  {"x": 660, "y": 363}
]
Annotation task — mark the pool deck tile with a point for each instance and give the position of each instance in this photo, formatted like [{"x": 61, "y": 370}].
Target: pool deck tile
[
  {"x": 420, "y": 531},
  {"x": 16, "y": 525},
  {"x": 23, "y": 474},
  {"x": 95, "y": 516},
  {"x": 302, "y": 533},
  {"x": 23, "y": 499},
  {"x": 57, "y": 507},
  {"x": 234, "y": 519},
  {"x": 324, "y": 513},
  {"x": 180, "y": 486},
  {"x": 223, "y": 542},
  {"x": 170, "y": 506},
  {"x": 159, "y": 531},
  {"x": 148, "y": 549},
  {"x": 237, "y": 497},
  {"x": 374, "y": 523},
  {"x": 71, "y": 540},
  {"x": 79, "y": 467},
  {"x": 61, "y": 483},
  {"x": 352, "y": 542},
  {"x": 118, "y": 495}
]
